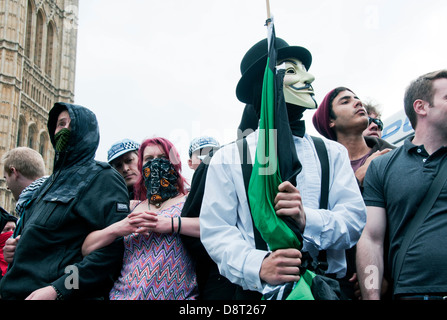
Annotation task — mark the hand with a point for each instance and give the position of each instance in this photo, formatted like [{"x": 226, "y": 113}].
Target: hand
[
  {"x": 281, "y": 266},
  {"x": 361, "y": 172},
  {"x": 357, "y": 293},
  {"x": 288, "y": 203},
  {"x": 45, "y": 293},
  {"x": 147, "y": 221},
  {"x": 122, "y": 228},
  {"x": 10, "y": 248}
]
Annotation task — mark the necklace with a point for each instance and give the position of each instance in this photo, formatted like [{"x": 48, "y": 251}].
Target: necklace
[{"x": 158, "y": 205}]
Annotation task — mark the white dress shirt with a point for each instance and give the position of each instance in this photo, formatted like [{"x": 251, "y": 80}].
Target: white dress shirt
[{"x": 226, "y": 227}]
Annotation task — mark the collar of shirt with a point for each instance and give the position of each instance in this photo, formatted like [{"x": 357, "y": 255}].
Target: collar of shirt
[{"x": 420, "y": 150}]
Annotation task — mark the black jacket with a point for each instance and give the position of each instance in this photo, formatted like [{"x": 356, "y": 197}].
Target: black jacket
[
  {"x": 212, "y": 285},
  {"x": 377, "y": 144},
  {"x": 82, "y": 195}
]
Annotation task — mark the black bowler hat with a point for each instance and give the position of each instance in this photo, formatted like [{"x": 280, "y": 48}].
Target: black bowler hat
[{"x": 254, "y": 62}]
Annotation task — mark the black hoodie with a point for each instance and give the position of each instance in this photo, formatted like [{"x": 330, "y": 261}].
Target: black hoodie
[{"x": 82, "y": 195}]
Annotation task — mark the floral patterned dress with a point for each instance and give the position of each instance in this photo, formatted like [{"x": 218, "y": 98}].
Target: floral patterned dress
[{"x": 156, "y": 266}]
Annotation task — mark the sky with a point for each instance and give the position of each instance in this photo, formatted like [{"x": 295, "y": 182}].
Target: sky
[{"x": 169, "y": 68}]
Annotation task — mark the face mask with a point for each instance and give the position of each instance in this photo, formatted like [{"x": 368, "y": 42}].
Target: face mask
[
  {"x": 297, "y": 85},
  {"x": 61, "y": 139},
  {"x": 160, "y": 179}
]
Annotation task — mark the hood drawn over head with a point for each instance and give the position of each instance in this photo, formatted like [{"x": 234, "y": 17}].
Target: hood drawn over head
[{"x": 84, "y": 136}]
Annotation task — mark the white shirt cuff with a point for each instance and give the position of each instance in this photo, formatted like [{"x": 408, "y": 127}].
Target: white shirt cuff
[
  {"x": 252, "y": 267},
  {"x": 314, "y": 226}
]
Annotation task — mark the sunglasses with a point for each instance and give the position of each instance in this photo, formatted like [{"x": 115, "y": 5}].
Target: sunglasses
[{"x": 378, "y": 122}]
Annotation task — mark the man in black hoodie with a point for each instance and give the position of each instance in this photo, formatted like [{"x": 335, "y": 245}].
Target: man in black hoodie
[{"x": 80, "y": 196}]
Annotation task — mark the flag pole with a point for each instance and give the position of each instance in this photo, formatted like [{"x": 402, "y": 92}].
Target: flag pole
[
  {"x": 268, "y": 23},
  {"x": 269, "y": 16}
]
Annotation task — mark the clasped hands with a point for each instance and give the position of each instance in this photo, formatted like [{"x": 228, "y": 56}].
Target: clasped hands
[{"x": 144, "y": 223}]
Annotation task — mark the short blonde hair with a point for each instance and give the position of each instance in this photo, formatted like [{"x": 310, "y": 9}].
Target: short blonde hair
[{"x": 27, "y": 161}]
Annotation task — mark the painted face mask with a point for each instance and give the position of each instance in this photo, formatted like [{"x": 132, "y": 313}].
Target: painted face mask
[
  {"x": 61, "y": 139},
  {"x": 160, "y": 179},
  {"x": 297, "y": 84}
]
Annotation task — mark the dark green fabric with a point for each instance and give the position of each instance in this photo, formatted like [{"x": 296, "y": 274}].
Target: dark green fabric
[{"x": 61, "y": 138}]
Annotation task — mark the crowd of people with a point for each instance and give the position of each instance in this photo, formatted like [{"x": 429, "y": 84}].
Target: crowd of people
[{"x": 134, "y": 228}]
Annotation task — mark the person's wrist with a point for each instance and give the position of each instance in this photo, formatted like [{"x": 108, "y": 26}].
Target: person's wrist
[{"x": 59, "y": 295}]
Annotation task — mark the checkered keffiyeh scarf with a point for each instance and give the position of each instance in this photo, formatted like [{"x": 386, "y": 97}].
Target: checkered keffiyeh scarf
[{"x": 27, "y": 194}]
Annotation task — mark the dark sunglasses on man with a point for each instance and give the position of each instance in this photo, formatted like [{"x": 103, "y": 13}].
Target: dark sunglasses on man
[{"x": 378, "y": 122}]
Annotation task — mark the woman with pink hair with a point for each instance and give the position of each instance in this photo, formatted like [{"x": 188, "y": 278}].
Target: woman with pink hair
[
  {"x": 156, "y": 265},
  {"x": 166, "y": 149}
]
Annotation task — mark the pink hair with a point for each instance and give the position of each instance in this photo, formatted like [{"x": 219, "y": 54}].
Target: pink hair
[{"x": 173, "y": 156}]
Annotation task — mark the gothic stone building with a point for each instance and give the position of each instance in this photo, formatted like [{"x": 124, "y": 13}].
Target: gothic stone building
[{"x": 37, "y": 68}]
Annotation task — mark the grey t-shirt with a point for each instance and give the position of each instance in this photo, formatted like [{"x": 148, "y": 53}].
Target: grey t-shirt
[{"x": 398, "y": 182}]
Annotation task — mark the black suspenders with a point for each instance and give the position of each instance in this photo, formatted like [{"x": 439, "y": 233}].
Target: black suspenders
[{"x": 244, "y": 154}]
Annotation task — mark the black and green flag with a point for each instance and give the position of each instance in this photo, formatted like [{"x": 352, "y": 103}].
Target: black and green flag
[{"x": 276, "y": 161}]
